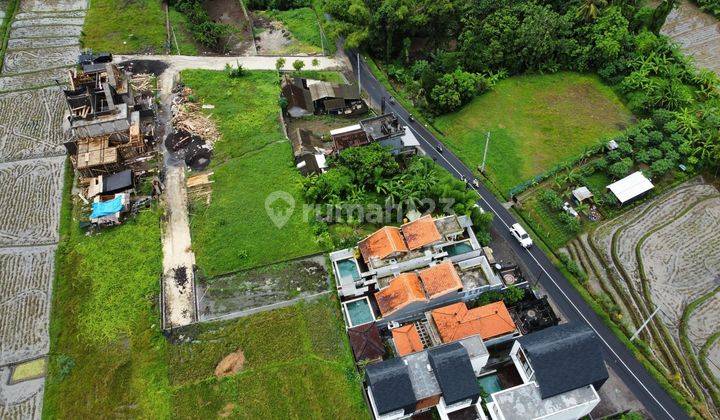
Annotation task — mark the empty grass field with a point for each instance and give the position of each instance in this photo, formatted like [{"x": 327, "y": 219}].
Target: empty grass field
[
  {"x": 252, "y": 160},
  {"x": 303, "y": 25},
  {"x": 297, "y": 365},
  {"x": 535, "y": 122},
  {"x": 136, "y": 26}
]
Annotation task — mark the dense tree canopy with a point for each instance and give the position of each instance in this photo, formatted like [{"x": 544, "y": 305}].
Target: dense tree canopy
[{"x": 373, "y": 179}]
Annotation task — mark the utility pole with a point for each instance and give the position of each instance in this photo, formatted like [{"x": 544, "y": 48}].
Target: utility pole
[
  {"x": 487, "y": 141},
  {"x": 322, "y": 42},
  {"x": 358, "y": 67},
  {"x": 644, "y": 324}
]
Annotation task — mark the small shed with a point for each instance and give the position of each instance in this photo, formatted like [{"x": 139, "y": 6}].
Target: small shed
[
  {"x": 631, "y": 187},
  {"x": 612, "y": 145},
  {"x": 581, "y": 194}
]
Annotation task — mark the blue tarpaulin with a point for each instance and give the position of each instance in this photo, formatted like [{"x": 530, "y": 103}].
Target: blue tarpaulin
[{"x": 105, "y": 208}]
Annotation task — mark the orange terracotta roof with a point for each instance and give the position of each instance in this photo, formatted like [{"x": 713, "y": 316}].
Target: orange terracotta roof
[
  {"x": 420, "y": 232},
  {"x": 402, "y": 291},
  {"x": 407, "y": 339},
  {"x": 456, "y": 321},
  {"x": 382, "y": 243},
  {"x": 440, "y": 279}
]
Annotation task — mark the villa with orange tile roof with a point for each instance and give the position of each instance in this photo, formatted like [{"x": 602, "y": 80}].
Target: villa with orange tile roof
[
  {"x": 386, "y": 242},
  {"x": 440, "y": 279},
  {"x": 407, "y": 339},
  {"x": 421, "y": 232},
  {"x": 456, "y": 321},
  {"x": 402, "y": 291}
]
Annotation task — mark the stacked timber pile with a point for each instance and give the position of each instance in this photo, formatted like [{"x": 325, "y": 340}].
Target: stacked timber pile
[
  {"x": 188, "y": 117},
  {"x": 199, "y": 187}
]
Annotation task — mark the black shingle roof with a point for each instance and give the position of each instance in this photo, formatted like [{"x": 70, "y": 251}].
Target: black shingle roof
[
  {"x": 454, "y": 373},
  {"x": 390, "y": 384},
  {"x": 565, "y": 357},
  {"x": 117, "y": 182}
]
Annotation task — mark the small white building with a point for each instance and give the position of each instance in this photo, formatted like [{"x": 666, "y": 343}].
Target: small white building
[{"x": 631, "y": 187}]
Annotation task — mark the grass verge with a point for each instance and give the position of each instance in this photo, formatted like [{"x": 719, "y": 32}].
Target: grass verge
[
  {"x": 252, "y": 160},
  {"x": 9, "y": 8}
]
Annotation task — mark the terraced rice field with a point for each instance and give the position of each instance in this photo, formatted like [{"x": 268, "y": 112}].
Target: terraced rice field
[
  {"x": 30, "y": 194},
  {"x": 27, "y": 279},
  {"x": 665, "y": 254},
  {"x": 696, "y": 32},
  {"x": 42, "y": 45},
  {"x": 29, "y": 124}
]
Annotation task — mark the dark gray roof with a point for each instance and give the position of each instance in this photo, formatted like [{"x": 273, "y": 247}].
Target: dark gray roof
[
  {"x": 117, "y": 182},
  {"x": 564, "y": 357},
  {"x": 454, "y": 372},
  {"x": 390, "y": 384}
]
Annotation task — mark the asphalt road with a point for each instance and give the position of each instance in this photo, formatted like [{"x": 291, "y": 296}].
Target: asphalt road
[{"x": 657, "y": 402}]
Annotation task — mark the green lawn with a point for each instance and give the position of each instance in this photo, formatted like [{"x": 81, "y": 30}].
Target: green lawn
[
  {"x": 303, "y": 25},
  {"x": 298, "y": 365},
  {"x": 535, "y": 122},
  {"x": 252, "y": 160},
  {"x": 124, "y": 27},
  {"x": 107, "y": 355}
]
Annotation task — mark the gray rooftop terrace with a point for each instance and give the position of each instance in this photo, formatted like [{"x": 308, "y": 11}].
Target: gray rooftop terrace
[{"x": 524, "y": 402}]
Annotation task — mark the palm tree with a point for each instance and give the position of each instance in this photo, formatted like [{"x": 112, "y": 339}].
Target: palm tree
[{"x": 590, "y": 9}]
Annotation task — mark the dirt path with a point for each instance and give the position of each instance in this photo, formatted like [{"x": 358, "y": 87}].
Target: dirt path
[
  {"x": 178, "y": 258},
  {"x": 698, "y": 34}
]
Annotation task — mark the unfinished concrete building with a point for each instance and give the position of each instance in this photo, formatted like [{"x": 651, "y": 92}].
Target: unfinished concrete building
[{"x": 111, "y": 124}]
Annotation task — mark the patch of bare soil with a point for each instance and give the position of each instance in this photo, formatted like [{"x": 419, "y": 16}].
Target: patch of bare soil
[
  {"x": 230, "y": 365},
  {"x": 227, "y": 410},
  {"x": 230, "y": 12},
  {"x": 272, "y": 36}
]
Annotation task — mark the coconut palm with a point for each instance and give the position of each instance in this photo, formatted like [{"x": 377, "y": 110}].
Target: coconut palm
[{"x": 590, "y": 9}]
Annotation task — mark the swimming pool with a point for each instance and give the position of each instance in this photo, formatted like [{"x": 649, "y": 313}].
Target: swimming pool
[
  {"x": 359, "y": 312},
  {"x": 458, "y": 248},
  {"x": 490, "y": 383},
  {"x": 348, "y": 270}
]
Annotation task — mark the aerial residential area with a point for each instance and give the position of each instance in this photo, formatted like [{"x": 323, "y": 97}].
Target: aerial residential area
[{"x": 360, "y": 209}]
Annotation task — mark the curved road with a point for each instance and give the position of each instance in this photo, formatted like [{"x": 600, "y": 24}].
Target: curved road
[{"x": 657, "y": 402}]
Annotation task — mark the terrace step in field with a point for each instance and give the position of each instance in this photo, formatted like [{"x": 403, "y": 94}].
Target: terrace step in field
[{"x": 30, "y": 125}]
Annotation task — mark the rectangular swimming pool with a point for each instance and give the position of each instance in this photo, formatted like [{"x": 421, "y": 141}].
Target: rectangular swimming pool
[
  {"x": 458, "y": 248},
  {"x": 490, "y": 383},
  {"x": 348, "y": 270},
  {"x": 359, "y": 312}
]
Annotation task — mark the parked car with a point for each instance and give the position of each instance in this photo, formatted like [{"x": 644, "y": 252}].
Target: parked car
[{"x": 519, "y": 233}]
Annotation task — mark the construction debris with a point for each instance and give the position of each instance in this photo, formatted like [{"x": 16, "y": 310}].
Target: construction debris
[
  {"x": 143, "y": 83},
  {"x": 188, "y": 117},
  {"x": 199, "y": 187},
  {"x": 111, "y": 116}
]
